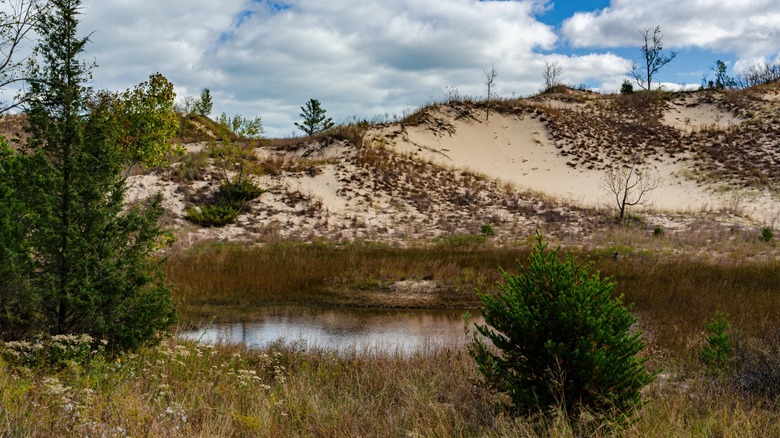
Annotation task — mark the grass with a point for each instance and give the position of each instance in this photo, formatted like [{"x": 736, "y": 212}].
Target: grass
[
  {"x": 183, "y": 389},
  {"x": 673, "y": 296},
  {"x": 209, "y": 277}
]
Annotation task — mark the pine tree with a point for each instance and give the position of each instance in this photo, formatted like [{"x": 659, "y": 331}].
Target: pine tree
[
  {"x": 205, "y": 105},
  {"x": 86, "y": 263},
  {"x": 314, "y": 120},
  {"x": 559, "y": 340}
]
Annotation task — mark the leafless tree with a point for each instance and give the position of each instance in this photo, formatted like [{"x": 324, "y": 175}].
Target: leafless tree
[
  {"x": 552, "y": 74},
  {"x": 17, "y": 19},
  {"x": 490, "y": 83},
  {"x": 758, "y": 74},
  {"x": 629, "y": 186},
  {"x": 654, "y": 57}
]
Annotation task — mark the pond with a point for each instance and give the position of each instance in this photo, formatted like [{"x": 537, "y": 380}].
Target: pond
[{"x": 364, "y": 330}]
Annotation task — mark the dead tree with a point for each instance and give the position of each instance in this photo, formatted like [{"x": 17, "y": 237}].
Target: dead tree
[
  {"x": 552, "y": 74},
  {"x": 17, "y": 19},
  {"x": 629, "y": 186},
  {"x": 490, "y": 82},
  {"x": 654, "y": 58}
]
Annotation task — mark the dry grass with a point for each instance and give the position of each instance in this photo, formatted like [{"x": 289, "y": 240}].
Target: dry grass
[
  {"x": 324, "y": 274},
  {"x": 184, "y": 390},
  {"x": 674, "y": 296}
]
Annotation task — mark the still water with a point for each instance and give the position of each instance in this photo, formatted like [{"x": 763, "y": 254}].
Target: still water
[{"x": 364, "y": 330}]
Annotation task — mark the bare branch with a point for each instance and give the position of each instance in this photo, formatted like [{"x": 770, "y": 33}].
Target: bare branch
[
  {"x": 552, "y": 74},
  {"x": 653, "y": 57},
  {"x": 490, "y": 81},
  {"x": 14, "y": 29},
  {"x": 629, "y": 186}
]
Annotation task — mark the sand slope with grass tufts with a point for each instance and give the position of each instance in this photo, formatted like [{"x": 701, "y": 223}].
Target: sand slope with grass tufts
[{"x": 533, "y": 164}]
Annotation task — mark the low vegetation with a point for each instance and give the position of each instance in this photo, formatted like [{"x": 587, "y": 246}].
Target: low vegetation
[{"x": 180, "y": 388}]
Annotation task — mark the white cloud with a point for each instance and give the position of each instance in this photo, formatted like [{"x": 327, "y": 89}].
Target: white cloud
[
  {"x": 268, "y": 57},
  {"x": 747, "y": 28}
]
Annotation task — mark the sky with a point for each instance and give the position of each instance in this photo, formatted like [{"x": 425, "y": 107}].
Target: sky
[{"x": 366, "y": 59}]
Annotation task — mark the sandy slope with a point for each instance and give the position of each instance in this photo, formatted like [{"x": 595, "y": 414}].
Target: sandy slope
[
  {"x": 537, "y": 164},
  {"x": 518, "y": 148}
]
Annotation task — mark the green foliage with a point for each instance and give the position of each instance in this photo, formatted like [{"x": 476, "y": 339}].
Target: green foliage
[
  {"x": 627, "y": 87},
  {"x": 191, "y": 167},
  {"x": 15, "y": 259},
  {"x": 205, "y": 105},
  {"x": 241, "y": 127},
  {"x": 214, "y": 215},
  {"x": 240, "y": 191},
  {"x": 231, "y": 199},
  {"x": 224, "y": 149},
  {"x": 82, "y": 263},
  {"x": 230, "y": 156},
  {"x": 722, "y": 79},
  {"x": 487, "y": 230},
  {"x": 314, "y": 120},
  {"x": 461, "y": 240},
  {"x": 559, "y": 340},
  {"x": 766, "y": 234},
  {"x": 718, "y": 354},
  {"x": 658, "y": 231},
  {"x": 140, "y": 122}
]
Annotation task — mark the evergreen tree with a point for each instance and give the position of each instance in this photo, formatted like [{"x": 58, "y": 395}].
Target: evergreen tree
[
  {"x": 559, "y": 339},
  {"x": 205, "y": 105},
  {"x": 314, "y": 120},
  {"x": 84, "y": 263}
]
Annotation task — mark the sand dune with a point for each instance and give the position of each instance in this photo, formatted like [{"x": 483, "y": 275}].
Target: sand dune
[{"x": 518, "y": 148}]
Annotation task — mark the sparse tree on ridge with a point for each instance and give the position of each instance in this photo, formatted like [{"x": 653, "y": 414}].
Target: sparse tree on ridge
[
  {"x": 653, "y": 58},
  {"x": 722, "y": 79},
  {"x": 313, "y": 118},
  {"x": 552, "y": 74},
  {"x": 490, "y": 83},
  {"x": 205, "y": 104}
]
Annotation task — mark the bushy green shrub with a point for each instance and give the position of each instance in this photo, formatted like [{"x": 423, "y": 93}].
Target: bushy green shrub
[
  {"x": 626, "y": 87},
  {"x": 487, "y": 230},
  {"x": 239, "y": 191},
  {"x": 214, "y": 215},
  {"x": 559, "y": 340}
]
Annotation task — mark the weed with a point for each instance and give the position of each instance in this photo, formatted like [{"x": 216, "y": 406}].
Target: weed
[{"x": 766, "y": 234}]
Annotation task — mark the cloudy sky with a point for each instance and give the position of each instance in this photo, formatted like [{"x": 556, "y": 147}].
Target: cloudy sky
[{"x": 363, "y": 58}]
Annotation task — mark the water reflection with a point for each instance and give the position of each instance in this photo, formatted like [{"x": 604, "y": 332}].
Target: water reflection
[{"x": 365, "y": 330}]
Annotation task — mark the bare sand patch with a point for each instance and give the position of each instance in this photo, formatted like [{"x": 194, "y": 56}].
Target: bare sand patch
[
  {"x": 518, "y": 149},
  {"x": 691, "y": 115}
]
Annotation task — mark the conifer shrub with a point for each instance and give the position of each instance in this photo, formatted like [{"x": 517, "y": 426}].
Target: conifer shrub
[
  {"x": 214, "y": 215},
  {"x": 555, "y": 339},
  {"x": 718, "y": 354},
  {"x": 239, "y": 191},
  {"x": 766, "y": 234}
]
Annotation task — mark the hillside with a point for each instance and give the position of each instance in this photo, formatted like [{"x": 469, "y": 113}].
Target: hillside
[{"x": 534, "y": 163}]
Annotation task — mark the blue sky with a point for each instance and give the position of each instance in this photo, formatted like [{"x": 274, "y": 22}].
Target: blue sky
[{"x": 366, "y": 58}]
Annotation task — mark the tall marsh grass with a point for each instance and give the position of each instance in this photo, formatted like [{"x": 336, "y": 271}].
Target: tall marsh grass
[{"x": 673, "y": 296}]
